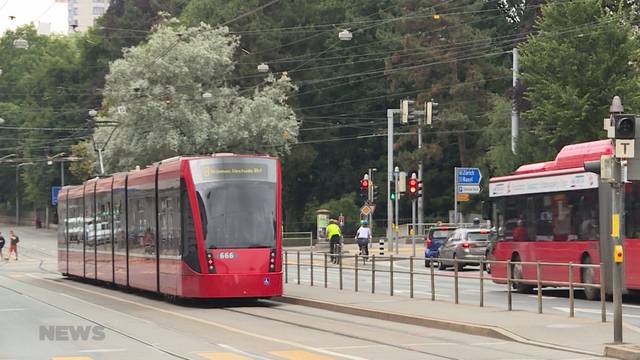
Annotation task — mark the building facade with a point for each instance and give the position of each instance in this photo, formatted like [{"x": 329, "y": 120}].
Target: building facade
[{"x": 82, "y": 13}]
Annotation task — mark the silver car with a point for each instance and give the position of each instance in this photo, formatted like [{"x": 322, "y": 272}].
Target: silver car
[{"x": 464, "y": 244}]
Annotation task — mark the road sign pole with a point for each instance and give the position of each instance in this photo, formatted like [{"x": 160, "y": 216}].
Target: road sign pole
[
  {"x": 413, "y": 227},
  {"x": 455, "y": 195},
  {"x": 397, "y": 217},
  {"x": 389, "y": 176}
]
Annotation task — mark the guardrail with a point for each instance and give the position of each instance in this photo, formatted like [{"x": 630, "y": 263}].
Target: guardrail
[
  {"x": 300, "y": 238},
  {"x": 509, "y": 281}
]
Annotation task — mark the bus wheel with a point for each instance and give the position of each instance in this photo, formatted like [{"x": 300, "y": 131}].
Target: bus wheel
[
  {"x": 518, "y": 274},
  {"x": 587, "y": 274}
]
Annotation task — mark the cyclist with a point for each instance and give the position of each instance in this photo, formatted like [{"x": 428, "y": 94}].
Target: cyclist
[
  {"x": 334, "y": 235},
  {"x": 363, "y": 235}
]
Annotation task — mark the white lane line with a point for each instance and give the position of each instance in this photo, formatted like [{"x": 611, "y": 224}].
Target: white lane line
[
  {"x": 101, "y": 350},
  {"x": 431, "y": 344},
  {"x": 12, "y": 309},
  {"x": 238, "y": 351},
  {"x": 106, "y": 308},
  {"x": 594, "y": 311},
  {"x": 631, "y": 306},
  {"x": 491, "y": 343},
  {"x": 543, "y": 297}
]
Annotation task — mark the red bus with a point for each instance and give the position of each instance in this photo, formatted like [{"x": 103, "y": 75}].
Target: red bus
[
  {"x": 552, "y": 212},
  {"x": 189, "y": 227}
]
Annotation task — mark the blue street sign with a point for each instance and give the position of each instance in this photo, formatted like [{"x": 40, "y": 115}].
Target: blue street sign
[
  {"x": 468, "y": 176},
  {"x": 54, "y": 195}
]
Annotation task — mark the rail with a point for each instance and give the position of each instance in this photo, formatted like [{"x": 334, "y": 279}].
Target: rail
[
  {"x": 300, "y": 238},
  {"x": 510, "y": 280}
]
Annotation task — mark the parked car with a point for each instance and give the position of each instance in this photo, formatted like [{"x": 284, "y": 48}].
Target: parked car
[
  {"x": 464, "y": 244},
  {"x": 434, "y": 238}
]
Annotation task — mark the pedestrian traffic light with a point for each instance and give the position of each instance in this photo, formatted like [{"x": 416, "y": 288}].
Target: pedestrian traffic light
[
  {"x": 431, "y": 110},
  {"x": 407, "y": 111},
  {"x": 412, "y": 187}
]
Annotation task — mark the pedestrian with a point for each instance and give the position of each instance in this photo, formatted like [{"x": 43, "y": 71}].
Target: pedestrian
[
  {"x": 13, "y": 244},
  {"x": 1, "y": 245},
  {"x": 363, "y": 236},
  {"x": 334, "y": 235}
]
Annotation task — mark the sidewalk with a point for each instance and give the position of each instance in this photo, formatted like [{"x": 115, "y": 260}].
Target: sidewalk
[{"x": 582, "y": 335}]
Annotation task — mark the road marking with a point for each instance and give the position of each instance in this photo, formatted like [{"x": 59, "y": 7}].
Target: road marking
[
  {"x": 70, "y": 358},
  {"x": 430, "y": 344},
  {"x": 215, "y": 324},
  {"x": 222, "y": 356},
  {"x": 491, "y": 343},
  {"x": 631, "y": 306},
  {"x": 240, "y": 352},
  {"x": 594, "y": 311},
  {"x": 103, "y": 307},
  {"x": 299, "y": 355},
  {"x": 102, "y": 350},
  {"x": 543, "y": 297},
  {"x": 13, "y": 309}
]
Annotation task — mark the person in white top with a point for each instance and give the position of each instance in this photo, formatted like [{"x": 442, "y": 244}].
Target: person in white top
[{"x": 363, "y": 235}]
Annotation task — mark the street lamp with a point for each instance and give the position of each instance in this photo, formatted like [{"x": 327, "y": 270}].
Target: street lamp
[
  {"x": 7, "y": 156},
  {"x": 20, "y": 43},
  {"x": 1, "y": 119},
  {"x": 18, "y": 190},
  {"x": 263, "y": 68},
  {"x": 50, "y": 159},
  {"x": 345, "y": 35}
]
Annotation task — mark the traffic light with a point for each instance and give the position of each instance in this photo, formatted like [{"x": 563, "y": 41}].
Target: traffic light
[
  {"x": 407, "y": 111},
  {"x": 392, "y": 193},
  {"x": 431, "y": 110},
  {"x": 364, "y": 187},
  {"x": 412, "y": 187},
  {"x": 375, "y": 193},
  {"x": 625, "y": 126}
]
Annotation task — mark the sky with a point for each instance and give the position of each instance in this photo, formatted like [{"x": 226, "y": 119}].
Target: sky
[{"x": 36, "y": 11}]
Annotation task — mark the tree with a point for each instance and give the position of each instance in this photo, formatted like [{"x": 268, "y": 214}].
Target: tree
[
  {"x": 582, "y": 57},
  {"x": 175, "y": 97}
]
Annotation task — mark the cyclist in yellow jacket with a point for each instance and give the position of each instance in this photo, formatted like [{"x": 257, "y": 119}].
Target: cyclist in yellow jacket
[{"x": 334, "y": 235}]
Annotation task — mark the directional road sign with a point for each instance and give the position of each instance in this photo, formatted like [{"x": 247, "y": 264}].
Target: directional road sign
[
  {"x": 468, "y": 189},
  {"x": 468, "y": 176},
  {"x": 54, "y": 195}
]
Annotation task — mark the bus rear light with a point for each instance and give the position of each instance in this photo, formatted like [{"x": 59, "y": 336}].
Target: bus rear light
[{"x": 210, "y": 264}]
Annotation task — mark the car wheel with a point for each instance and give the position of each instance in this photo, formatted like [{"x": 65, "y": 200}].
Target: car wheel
[
  {"x": 441, "y": 265},
  {"x": 459, "y": 265},
  {"x": 427, "y": 263},
  {"x": 518, "y": 274}
]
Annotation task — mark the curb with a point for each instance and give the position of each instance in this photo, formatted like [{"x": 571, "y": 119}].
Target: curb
[
  {"x": 622, "y": 351},
  {"x": 440, "y": 324}
]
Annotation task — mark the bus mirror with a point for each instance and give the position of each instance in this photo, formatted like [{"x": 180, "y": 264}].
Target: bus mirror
[
  {"x": 486, "y": 210},
  {"x": 592, "y": 166}
]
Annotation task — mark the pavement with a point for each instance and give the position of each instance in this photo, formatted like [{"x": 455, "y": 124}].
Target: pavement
[{"x": 43, "y": 316}]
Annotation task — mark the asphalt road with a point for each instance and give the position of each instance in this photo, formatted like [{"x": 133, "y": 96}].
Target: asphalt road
[
  {"x": 46, "y": 316},
  {"x": 554, "y": 300}
]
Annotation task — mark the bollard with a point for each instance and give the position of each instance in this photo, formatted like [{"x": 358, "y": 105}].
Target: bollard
[
  {"x": 373, "y": 274},
  {"x": 411, "y": 277},
  {"x": 539, "y": 284},
  {"x": 455, "y": 279},
  {"x": 298, "y": 265},
  {"x": 391, "y": 275},
  {"x": 481, "y": 283},
  {"x": 311, "y": 275},
  {"x": 603, "y": 296},
  {"x": 509, "y": 298},
  {"x": 381, "y": 246},
  {"x": 325, "y": 270},
  {"x": 286, "y": 267},
  {"x": 571, "y": 300},
  {"x": 355, "y": 269},
  {"x": 433, "y": 284},
  {"x": 340, "y": 268}
]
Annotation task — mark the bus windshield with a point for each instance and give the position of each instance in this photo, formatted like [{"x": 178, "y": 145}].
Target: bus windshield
[{"x": 238, "y": 214}]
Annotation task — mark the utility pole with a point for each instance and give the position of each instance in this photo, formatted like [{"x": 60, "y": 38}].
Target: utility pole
[
  {"x": 420, "y": 198},
  {"x": 396, "y": 174},
  {"x": 515, "y": 121},
  {"x": 390, "y": 113}
]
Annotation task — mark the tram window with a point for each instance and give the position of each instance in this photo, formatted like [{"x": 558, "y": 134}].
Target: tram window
[
  {"x": 632, "y": 210},
  {"x": 189, "y": 246}
]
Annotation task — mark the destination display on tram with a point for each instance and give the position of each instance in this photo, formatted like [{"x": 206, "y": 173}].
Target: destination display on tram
[{"x": 214, "y": 170}]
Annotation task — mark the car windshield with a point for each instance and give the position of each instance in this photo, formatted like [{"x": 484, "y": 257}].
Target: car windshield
[
  {"x": 238, "y": 214},
  {"x": 441, "y": 234},
  {"x": 478, "y": 236}
]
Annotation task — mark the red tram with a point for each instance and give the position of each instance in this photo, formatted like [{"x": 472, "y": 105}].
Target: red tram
[{"x": 192, "y": 227}]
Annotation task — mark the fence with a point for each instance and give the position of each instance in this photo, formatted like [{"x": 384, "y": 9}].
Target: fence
[{"x": 510, "y": 281}]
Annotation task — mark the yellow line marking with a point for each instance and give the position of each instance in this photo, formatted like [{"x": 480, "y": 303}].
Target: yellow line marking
[
  {"x": 71, "y": 358},
  {"x": 222, "y": 356},
  {"x": 299, "y": 355},
  {"x": 211, "y": 323}
]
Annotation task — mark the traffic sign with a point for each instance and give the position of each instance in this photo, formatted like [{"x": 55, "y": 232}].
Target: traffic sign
[
  {"x": 468, "y": 176},
  {"x": 463, "y": 197},
  {"x": 54, "y": 195},
  {"x": 468, "y": 189},
  {"x": 365, "y": 210}
]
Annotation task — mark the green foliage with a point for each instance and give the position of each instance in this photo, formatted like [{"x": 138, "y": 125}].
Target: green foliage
[
  {"x": 583, "y": 56},
  {"x": 345, "y": 205}
]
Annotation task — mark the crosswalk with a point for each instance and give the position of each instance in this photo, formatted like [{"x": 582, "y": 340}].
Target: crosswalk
[{"x": 292, "y": 354}]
